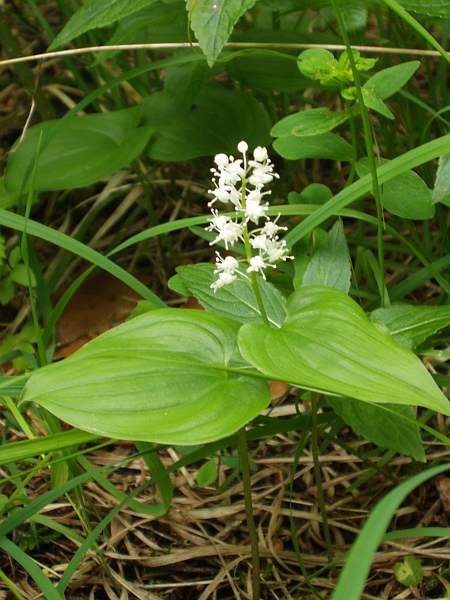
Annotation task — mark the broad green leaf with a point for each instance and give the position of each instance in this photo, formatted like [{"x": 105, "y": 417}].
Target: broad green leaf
[
  {"x": 314, "y": 193},
  {"x": 388, "y": 81},
  {"x": 308, "y": 122},
  {"x": 325, "y": 145},
  {"x": 410, "y": 325},
  {"x": 216, "y": 122},
  {"x": 371, "y": 100},
  {"x": 388, "y": 429},
  {"x": 162, "y": 377},
  {"x": 406, "y": 195},
  {"x": 184, "y": 83},
  {"x": 97, "y": 13},
  {"x": 87, "y": 149},
  {"x": 434, "y": 8},
  {"x": 328, "y": 344},
  {"x": 236, "y": 301},
  {"x": 212, "y": 21},
  {"x": 442, "y": 183},
  {"x": 331, "y": 264}
]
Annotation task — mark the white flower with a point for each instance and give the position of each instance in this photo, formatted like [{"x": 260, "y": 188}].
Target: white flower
[
  {"x": 230, "y": 233},
  {"x": 260, "y": 154},
  {"x": 221, "y": 160},
  {"x": 242, "y": 147},
  {"x": 271, "y": 228},
  {"x": 257, "y": 264},
  {"x": 228, "y": 264},
  {"x": 276, "y": 250},
  {"x": 223, "y": 279},
  {"x": 259, "y": 242}
]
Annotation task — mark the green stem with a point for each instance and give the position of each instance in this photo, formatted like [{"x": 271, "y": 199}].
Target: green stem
[
  {"x": 368, "y": 141},
  {"x": 318, "y": 477},
  {"x": 245, "y": 470}
]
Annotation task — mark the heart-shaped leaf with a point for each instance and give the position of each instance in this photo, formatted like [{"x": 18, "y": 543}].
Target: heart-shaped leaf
[
  {"x": 168, "y": 376},
  {"x": 328, "y": 344}
]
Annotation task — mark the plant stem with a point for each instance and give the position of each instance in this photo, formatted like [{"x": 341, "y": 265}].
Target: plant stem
[
  {"x": 245, "y": 470},
  {"x": 317, "y": 475}
]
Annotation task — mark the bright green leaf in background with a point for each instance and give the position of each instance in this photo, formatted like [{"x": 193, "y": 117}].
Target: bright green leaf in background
[
  {"x": 308, "y": 122},
  {"x": 405, "y": 195},
  {"x": 235, "y": 301},
  {"x": 161, "y": 377},
  {"x": 411, "y": 324},
  {"x": 87, "y": 149},
  {"x": 212, "y": 22},
  {"x": 97, "y": 13},
  {"x": 409, "y": 572},
  {"x": 388, "y": 429},
  {"x": 325, "y": 145},
  {"x": 442, "y": 183},
  {"x": 328, "y": 344},
  {"x": 388, "y": 81},
  {"x": 435, "y": 8},
  {"x": 207, "y": 474}
]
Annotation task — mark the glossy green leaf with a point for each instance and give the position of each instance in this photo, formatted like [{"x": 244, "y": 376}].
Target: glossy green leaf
[
  {"x": 325, "y": 145},
  {"x": 216, "y": 122},
  {"x": 328, "y": 344},
  {"x": 442, "y": 183},
  {"x": 388, "y": 81},
  {"x": 87, "y": 149},
  {"x": 212, "y": 21},
  {"x": 162, "y": 377},
  {"x": 97, "y": 13},
  {"x": 235, "y": 301},
  {"x": 331, "y": 264},
  {"x": 308, "y": 122},
  {"x": 409, "y": 324},
  {"x": 435, "y": 8},
  {"x": 405, "y": 195},
  {"x": 388, "y": 429}
]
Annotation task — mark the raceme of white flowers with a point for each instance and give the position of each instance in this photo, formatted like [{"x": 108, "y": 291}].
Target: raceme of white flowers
[{"x": 241, "y": 182}]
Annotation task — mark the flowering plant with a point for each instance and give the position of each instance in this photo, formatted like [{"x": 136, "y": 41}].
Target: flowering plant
[{"x": 241, "y": 182}]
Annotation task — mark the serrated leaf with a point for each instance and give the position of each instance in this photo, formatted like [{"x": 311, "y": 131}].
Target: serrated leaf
[
  {"x": 325, "y": 145},
  {"x": 442, "y": 183},
  {"x": 406, "y": 195},
  {"x": 331, "y": 264},
  {"x": 235, "y": 301},
  {"x": 388, "y": 81},
  {"x": 87, "y": 149},
  {"x": 328, "y": 344},
  {"x": 434, "y": 8},
  {"x": 212, "y": 21},
  {"x": 162, "y": 377},
  {"x": 97, "y": 13},
  {"x": 308, "y": 122},
  {"x": 386, "y": 429},
  {"x": 410, "y": 325}
]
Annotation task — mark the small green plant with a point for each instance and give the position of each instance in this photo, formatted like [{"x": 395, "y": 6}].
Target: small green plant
[{"x": 409, "y": 572}]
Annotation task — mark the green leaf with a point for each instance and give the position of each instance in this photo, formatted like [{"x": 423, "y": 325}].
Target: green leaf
[
  {"x": 434, "y": 8},
  {"x": 442, "y": 183},
  {"x": 405, "y": 195},
  {"x": 162, "y": 377},
  {"x": 183, "y": 83},
  {"x": 308, "y": 122},
  {"x": 97, "y": 13},
  {"x": 410, "y": 325},
  {"x": 212, "y": 21},
  {"x": 331, "y": 264},
  {"x": 409, "y": 572},
  {"x": 328, "y": 344},
  {"x": 371, "y": 100},
  {"x": 325, "y": 145},
  {"x": 314, "y": 193},
  {"x": 388, "y": 81},
  {"x": 354, "y": 15},
  {"x": 385, "y": 428},
  {"x": 207, "y": 474},
  {"x": 216, "y": 122},
  {"x": 87, "y": 149},
  {"x": 235, "y": 301}
]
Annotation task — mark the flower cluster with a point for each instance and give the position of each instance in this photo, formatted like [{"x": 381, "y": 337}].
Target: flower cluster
[{"x": 241, "y": 182}]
